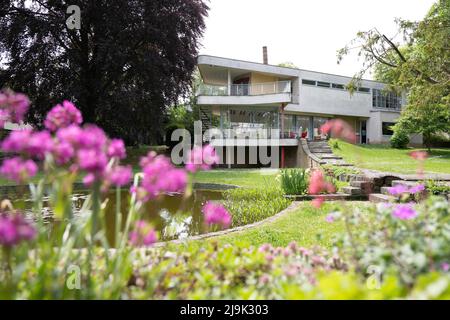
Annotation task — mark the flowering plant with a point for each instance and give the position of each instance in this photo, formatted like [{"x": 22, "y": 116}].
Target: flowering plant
[{"x": 51, "y": 161}]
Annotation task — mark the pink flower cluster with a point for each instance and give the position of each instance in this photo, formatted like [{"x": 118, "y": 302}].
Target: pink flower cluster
[
  {"x": 339, "y": 129},
  {"x": 159, "y": 177},
  {"x": 17, "y": 169},
  {"x": 402, "y": 189},
  {"x": 14, "y": 229},
  {"x": 404, "y": 211},
  {"x": 143, "y": 234},
  {"x": 82, "y": 149},
  {"x": 62, "y": 116},
  {"x": 216, "y": 214},
  {"x": 201, "y": 158},
  {"x": 317, "y": 185},
  {"x": 13, "y": 107}
]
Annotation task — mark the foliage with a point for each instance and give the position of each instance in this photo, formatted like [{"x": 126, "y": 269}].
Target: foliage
[
  {"x": 288, "y": 64},
  {"x": 403, "y": 239},
  {"x": 399, "y": 139},
  {"x": 337, "y": 171},
  {"x": 251, "y": 205},
  {"x": 437, "y": 188},
  {"x": 418, "y": 65},
  {"x": 122, "y": 69},
  {"x": 294, "y": 181}
]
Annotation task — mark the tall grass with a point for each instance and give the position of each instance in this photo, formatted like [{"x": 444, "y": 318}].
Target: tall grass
[
  {"x": 252, "y": 205},
  {"x": 294, "y": 181}
]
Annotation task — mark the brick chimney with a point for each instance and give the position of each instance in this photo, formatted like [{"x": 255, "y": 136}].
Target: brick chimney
[{"x": 265, "y": 57}]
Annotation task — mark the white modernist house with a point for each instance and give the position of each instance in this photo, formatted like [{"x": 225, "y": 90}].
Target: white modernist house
[{"x": 249, "y": 97}]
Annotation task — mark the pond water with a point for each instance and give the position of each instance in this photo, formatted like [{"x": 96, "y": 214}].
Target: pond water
[{"x": 173, "y": 216}]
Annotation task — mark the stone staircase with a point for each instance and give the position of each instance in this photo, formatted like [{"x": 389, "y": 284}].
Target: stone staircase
[{"x": 323, "y": 151}]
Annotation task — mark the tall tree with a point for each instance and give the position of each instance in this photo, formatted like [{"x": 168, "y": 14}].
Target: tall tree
[
  {"x": 418, "y": 64},
  {"x": 129, "y": 60}
]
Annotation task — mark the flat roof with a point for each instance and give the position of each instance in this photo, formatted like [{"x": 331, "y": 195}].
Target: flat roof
[{"x": 287, "y": 68}]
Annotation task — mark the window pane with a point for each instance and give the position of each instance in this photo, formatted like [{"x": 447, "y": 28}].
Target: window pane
[
  {"x": 337, "y": 86},
  {"x": 310, "y": 82},
  {"x": 323, "y": 84}
]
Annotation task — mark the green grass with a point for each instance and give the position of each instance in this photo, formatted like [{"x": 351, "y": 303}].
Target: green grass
[
  {"x": 384, "y": 158},
  {"x": 239, "y": 177},
  {"x": 306, "y": 225}
]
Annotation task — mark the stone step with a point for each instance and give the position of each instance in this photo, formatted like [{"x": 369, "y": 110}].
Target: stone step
[
  {"x": 321, "y": 150},
  {"x": 378, "y": 197},
  {"x": 329, "y": 156},
  {"x": 366, "y": 186},
  {"x": 359, "y": 177},
  {"x": 337, "y": 162},
  {"x": 352, "y": 190},
  {"x": 385, "y": 190}
]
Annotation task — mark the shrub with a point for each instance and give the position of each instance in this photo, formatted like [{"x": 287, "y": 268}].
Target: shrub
[
  {"x": 399, "y": 139},
  {"x": 252, "y": 205},
  {"x": 436, "y": 188},
  {"x": 294, "y": 181},
  {"x": 405, "y": 239}
]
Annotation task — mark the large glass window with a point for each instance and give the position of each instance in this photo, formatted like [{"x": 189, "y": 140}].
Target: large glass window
[
  {"x": 388, "y": 100},
  {"x": 251, "y": 123},
  {"x": 317, "y": 123}
]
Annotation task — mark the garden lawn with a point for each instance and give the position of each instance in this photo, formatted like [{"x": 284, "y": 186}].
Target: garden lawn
[
  {"x": 306, "y": 225},
  {"x": 384, "y": 158},
  {"x": 240, "y": 177}
]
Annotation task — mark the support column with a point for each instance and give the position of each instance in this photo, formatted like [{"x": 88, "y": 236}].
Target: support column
[
  {"x": 229, "y": 83},
  {"x": 282, "y": 134}
]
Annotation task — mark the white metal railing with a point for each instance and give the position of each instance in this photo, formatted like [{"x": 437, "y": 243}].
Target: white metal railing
[{"x": 251, "y": 89}]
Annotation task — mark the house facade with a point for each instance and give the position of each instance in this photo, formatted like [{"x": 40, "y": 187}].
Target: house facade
[{"x": 271, "y": 102}]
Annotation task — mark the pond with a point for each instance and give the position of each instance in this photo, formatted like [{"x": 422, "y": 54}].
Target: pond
[{"x": 174, "y": 216}]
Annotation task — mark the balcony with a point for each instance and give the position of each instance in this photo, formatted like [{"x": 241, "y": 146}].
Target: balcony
[
  {"x": 253, "y": 93},
  {"x": 252, "y": 89}
]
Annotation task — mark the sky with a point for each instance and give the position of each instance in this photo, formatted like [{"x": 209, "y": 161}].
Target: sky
[{"x": 305, "y": 32}]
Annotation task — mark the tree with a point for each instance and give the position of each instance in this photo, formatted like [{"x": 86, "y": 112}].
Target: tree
[
  {"x": 420, "y": 65},
  {"x": 288, "y": 64},
  {"x": 127, "y": 63}
]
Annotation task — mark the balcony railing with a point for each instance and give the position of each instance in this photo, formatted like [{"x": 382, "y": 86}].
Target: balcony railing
[{"x": 252, "y": 89}]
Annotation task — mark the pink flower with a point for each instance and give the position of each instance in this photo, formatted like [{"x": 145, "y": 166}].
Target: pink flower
[
  {"x": 419, "y": 155},
  {"x": 398, "y": 190},
  {"x": 445, "y": 266},
  {"x": 13, "y": 106},
  {"x": 119, "y": 175},
  {"x": 89, "y": 179},
  {"x": 143, "y": 234},
  {"x": 15, "y": 229},
  {"x": 92, "y": 137},
  {"x": 339, "y": 129},
  {"x": 61, "y": 116},
  {"x": 215, "y": 213},
  {"x": 71, "y": 134},
  {"x": 33, "y": 144},
  {"x": 91, "y": 160},
  {"x": 404, "y": 211},
  {"x": 330, "y": 218},
  {"x": 160, "y": 176},
  {"x": 18, "y": 170},
  {"x": 201, "y": 158},
  {"x": 39, "y": 144},
  {"x": 16, "y": 141},
  {"x": 116, "y": 149},
  {"x": 318, "y": 184},
  {"x": 317, "y": 202},
  {"x": 417, "y": 189},
  {"x": 63, "y": 152}
]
